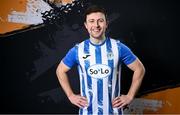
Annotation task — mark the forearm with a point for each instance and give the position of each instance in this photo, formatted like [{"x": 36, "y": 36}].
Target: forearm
[
  {"x": 64, "y": 82},
  {"x": 136, "y": 81}
]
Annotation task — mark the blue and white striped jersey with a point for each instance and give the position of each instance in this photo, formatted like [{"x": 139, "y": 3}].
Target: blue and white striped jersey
[{"x": 99, "y": 69}]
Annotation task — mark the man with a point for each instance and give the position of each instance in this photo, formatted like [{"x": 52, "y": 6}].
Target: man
[{"x": 99, "y": 61}]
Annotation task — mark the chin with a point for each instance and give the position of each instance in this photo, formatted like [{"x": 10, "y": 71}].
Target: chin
[{"x": 97, "y": 37}]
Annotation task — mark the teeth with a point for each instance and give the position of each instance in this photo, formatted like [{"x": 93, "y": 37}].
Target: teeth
[{"x": 96, "y": 30}]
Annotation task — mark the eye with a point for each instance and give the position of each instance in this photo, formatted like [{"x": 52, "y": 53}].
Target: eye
[
  {"x": 91, "y": 21},
  {"x": 101, "y": 20}
]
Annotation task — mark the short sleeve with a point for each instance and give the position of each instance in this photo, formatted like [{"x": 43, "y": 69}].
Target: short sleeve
[
  {"x": 70, "y": 58},
  {"x": 126, "y": 55}
]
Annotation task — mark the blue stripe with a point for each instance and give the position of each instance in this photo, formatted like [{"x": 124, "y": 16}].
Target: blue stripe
[
  {"x": 86, "y": 47},
  {"x": 100, "y": 111},
  {"x": 82, "y": 81},
  {"x": 98, "y": 55},
  {"x": 80, "y": 111},
  {"x": 90, "y": 110},
  {"x": 111, "y": 64},
  {"x": 119, "y": 111},
  {"x": 81, "y": 74},
  {"x": 99, "y": 81},
  {"x": 83, "y": 87},
  {"x": 87, "y": 64},
  {"x": 89, "y": 80},
  {"x": 117, "y": 87},
  {"x": 100, "y": 92}
]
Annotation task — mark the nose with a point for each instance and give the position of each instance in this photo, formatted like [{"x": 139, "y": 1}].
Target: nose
[{"x": 97, "y": 23}]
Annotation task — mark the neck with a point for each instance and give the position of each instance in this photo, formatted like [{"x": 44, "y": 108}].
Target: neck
[{"x": 97, "y": 40}]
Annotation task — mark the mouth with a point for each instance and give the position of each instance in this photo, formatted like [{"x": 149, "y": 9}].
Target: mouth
[{"x": 96, "y": 30}]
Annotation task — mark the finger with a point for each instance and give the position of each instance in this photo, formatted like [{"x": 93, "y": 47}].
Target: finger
[
  {"x": 79, "y": 105},
  {"x": 115, "y": 98},
  {"x": 116, "y": 105},
  {"x": 83, "y": 98},
  {"x": 82, "y": 104},
  {"x": 116, "y": 101},
  {"x": 85, "y": 103},
  {"x": 122, "y": 105}
]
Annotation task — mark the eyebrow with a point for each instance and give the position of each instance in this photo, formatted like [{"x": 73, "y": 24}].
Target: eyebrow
[{"x": 97, "y": 19}]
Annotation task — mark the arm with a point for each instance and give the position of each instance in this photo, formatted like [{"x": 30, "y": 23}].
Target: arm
[
  {"x": 139, "y": 71},
  {"x": 61, "y": 72},
  {"x": 138, "y": 75}
]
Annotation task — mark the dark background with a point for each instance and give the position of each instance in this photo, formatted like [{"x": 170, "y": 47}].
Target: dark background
[{"x": 28, "y": 59}]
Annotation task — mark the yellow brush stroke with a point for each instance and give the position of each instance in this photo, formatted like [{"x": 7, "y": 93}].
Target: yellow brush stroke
[
  {"x": 6, "y": 7},
  {"x": 170, "y": 99}
]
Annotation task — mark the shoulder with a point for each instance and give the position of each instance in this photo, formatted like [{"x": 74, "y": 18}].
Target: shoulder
[
  {"x": 115, "y": 41},
  {"x": 121, "y": 46},
  {"x": 82, "y": 43}
]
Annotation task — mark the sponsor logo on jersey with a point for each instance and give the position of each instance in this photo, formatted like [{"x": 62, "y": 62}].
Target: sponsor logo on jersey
[{"x": 99, "y": 71}]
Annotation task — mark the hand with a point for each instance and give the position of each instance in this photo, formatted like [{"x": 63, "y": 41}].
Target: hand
[
  {"x": 78, "y": 100},
  {"x": 121, "y": 101}
]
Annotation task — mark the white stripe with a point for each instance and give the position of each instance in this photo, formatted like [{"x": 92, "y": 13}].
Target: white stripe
[
  {"x": 119, "y": 80},
  {"x": 104, "y": 54},
  {"x": 115, "y": 111},
  {"x": 80, "y": 78},
  {"x": 92, "y": 53},
  {"x": 116, "y": 58},
  {"x": 105, "y": 96},
  {"x": 94, "y": 81},
  {"x": 81, "y": 61},
  {"x": 105, "y": 81}
]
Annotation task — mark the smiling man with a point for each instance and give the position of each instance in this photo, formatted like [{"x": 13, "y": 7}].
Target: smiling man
[{"x": 99, "y": 61}]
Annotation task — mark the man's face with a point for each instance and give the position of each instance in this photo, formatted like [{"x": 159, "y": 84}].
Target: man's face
[{"x": 96, "y": 25}]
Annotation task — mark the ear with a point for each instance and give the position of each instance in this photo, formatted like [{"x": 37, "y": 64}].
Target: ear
[
  {"x": 107, "y": 24},
  {"x": 85, "y": 24}
]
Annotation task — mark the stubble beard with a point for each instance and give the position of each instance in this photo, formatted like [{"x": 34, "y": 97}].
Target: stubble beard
[{"x": 97, "y": 35}]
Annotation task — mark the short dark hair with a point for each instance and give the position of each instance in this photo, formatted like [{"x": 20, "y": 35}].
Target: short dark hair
[{"x": 93, "y": 9}]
